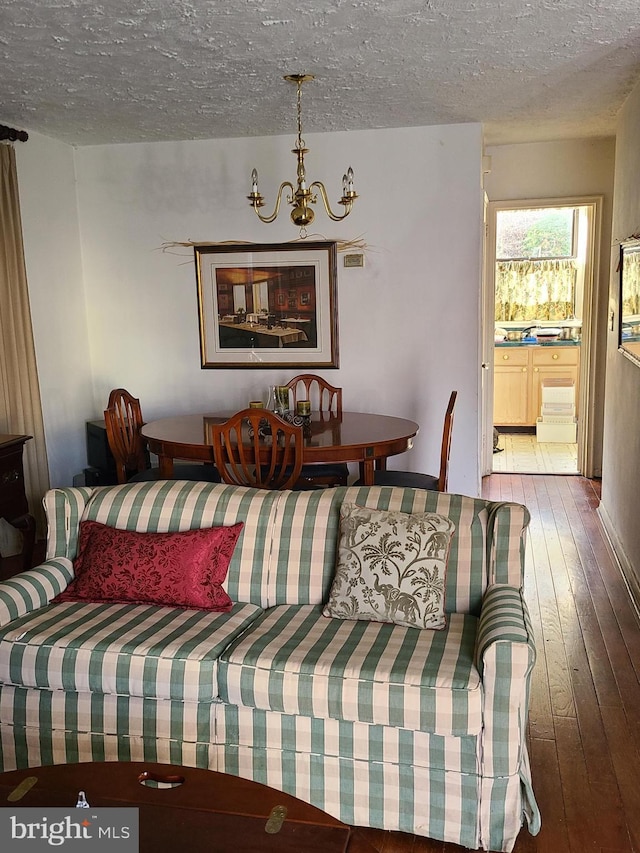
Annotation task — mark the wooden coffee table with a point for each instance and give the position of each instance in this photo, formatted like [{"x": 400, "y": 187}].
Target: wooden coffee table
[{"x": 208, "y": 811}]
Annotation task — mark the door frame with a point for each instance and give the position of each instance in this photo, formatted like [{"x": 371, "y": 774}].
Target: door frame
[{"x": 587, "y": 464}]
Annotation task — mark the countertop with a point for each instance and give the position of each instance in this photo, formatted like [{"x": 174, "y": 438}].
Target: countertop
[{"x": 537, "y": 343}]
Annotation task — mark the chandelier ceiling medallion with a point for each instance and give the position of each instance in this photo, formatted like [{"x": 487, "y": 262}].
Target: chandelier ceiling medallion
[{"x": 302, "y": 195}]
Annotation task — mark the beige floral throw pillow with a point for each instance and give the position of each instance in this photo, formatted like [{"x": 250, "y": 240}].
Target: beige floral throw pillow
[{"x": 391, "y": 567}]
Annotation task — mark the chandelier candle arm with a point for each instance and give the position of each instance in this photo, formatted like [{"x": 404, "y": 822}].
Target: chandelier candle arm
[
  {"x": 302, "y": 195},
  {"x": 345, "y": 200}
]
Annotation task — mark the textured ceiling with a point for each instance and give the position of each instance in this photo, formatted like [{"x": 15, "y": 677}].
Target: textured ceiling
[{"x": 89, "y": 72}]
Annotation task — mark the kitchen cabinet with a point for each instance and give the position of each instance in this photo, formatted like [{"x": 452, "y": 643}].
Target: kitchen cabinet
[
  {"x": 518, "y": 375},
  {"x": 511, "y": 386}
]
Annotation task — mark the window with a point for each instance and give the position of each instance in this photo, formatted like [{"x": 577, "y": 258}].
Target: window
[
  {"x": 541, "y": 233},
  {"x": 536, "y": 264}
]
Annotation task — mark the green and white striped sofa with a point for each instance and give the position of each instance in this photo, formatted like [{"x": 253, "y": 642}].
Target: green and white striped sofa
[{"x": 378, "y": 724}]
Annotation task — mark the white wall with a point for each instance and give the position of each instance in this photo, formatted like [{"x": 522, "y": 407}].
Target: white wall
[
  {"x": 409, "y": 321},
  {"x": 566, "y": 169},
  {"x": 51, "y": 237},
  {"x": 621, "y": 453},
  {"x": 551, "y": 169}
]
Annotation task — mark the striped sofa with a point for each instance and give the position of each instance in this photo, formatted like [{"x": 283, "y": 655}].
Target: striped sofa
[{"x": 378, "y": 724}]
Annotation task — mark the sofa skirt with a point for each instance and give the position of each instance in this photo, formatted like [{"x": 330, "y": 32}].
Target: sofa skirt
[
  {"x": 364, "y": 775},
  {"x": 359, "y": 793}
]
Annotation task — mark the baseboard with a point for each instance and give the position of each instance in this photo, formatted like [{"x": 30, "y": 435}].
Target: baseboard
[{"x": 631, "y": 580}]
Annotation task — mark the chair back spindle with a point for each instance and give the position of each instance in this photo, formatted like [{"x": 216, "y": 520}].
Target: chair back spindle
[
  {"x": 326, "y": 399},
  {"x": 123, "y": 422},
  {"x": 256, "y": 447},
  {"x": 323, "y": 396}
]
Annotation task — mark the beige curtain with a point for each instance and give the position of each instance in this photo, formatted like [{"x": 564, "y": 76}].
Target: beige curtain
[
  {"x": 535, "y": 290},
  {"x": 20, "y": 409}
]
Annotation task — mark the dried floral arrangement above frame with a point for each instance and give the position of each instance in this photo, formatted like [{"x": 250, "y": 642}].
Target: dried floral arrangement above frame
[
  {"x": 355, "y": 244},
  {"x": 267, "y": 305}
]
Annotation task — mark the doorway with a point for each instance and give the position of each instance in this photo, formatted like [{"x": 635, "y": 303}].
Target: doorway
[{"x": 540, "y": 258}]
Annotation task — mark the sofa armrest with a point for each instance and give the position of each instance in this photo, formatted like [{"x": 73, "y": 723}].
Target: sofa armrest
[
  {"x": 505, "y": 655},
  {"x": 33, "y": 589},
  {"x": 64, "y": 508},
  {"x": 506, "y": 538}
]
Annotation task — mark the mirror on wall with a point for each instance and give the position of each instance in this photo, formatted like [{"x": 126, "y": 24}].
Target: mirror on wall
[{"x": 629, "y": 330}]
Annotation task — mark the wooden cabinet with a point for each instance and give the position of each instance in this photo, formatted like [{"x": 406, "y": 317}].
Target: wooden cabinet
[
  {"x": 13, "y": 500},
  {"x": 517, "y": 380},
  {"x": 511, "y": 386}
]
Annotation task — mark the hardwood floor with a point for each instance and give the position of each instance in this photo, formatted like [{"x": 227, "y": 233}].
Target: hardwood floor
[{"x": 584, "y": 723}]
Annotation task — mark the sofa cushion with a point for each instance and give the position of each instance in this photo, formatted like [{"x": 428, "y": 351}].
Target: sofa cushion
[
  {"x": 296, "y": 661},
  {"x": 182, "y": 569},
  {"x": 126, "y": 649},
  {"x": 391, "y": 567}
]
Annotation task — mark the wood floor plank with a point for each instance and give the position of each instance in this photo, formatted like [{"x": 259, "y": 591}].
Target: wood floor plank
[
  {"x": 540, "y": 711},
  {"x": 625, "y": 612},
  {"x": 553, "y": 836},
  {"x": 561, "y": 694},
  {"x": 618, "y": 622},
  {"x": 626, "y": 760},
  {"x": 579, "y": 802},
  {"x": 593, "y": 682},
  {"x": 581, "y": 566}
]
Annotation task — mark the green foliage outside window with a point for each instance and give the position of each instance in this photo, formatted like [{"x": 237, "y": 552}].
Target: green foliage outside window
[{"x": 544, "y": 233}]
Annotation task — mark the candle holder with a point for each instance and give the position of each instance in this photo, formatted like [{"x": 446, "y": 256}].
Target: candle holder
[{"x": 303, "y": 415}]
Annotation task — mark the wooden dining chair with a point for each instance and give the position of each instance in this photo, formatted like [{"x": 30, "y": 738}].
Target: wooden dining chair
[
  {"x": 256, "y": 447},
  {"x": 416, "y": 480},
  {"x": 323, "y": 397},
  {"x": 123, "y": 421}
]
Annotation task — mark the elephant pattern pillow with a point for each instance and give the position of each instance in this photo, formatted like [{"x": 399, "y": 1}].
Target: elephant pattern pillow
[{"x": 391, "y": 567}]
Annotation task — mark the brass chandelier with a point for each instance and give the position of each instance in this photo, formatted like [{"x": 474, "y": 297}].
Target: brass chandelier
[{"x": 302, "y": 195}]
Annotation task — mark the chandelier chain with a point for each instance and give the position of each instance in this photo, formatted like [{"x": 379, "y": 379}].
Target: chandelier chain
[{"x": 301, "y": 142}]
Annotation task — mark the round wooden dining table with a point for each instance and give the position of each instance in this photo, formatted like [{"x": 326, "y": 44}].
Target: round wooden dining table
[{"x": 368, "y": 439}]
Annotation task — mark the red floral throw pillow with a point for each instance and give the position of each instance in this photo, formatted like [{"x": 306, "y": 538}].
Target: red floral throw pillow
[{"x": 184, "y": 569}]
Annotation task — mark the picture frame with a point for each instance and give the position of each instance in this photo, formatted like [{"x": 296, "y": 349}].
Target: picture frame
[
  {"x": 629, "y": 305},
  {"x": 251, "y": 309}
]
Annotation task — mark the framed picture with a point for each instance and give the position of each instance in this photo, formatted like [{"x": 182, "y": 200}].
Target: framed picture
[
  {"x": 267, "y": 305},
  {"x": 629, "y": 327}
]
